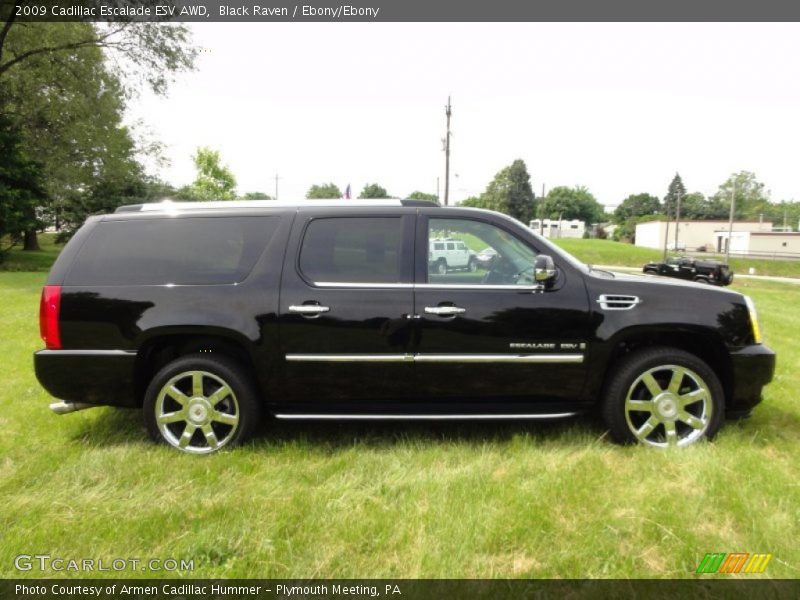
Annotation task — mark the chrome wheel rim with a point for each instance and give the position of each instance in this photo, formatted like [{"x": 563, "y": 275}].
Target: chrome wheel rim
[
  {"x": 197, "y": 412},
  {"x": 667, "y": 406},
  {"x": 442, "y": 268}
]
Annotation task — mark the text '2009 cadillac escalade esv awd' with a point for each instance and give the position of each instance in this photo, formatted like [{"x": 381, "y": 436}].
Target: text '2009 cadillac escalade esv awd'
[{"x": 210, "y": 315}]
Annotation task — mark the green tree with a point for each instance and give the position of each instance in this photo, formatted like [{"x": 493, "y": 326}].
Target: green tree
[
  {"x": 256, "y": 196},
  {"x": 696, "y": 206},
  {"x": 373, "y": 190},
  {"x": 214, "y": 181},
  {"x": 325, "y": 191},
  {"x": 422, "y": 196},
  {"x": 637, "y": 205},
  {"x": 119, "y": 179},
  {"x": 474, "y": 202},
  {"x": 572, "y": 203},
  {"x": 626, "y": 231},
  {"x": 150, "y": 53},
  {"x": 751, "y": 197},
  {"x": 510, "y": 192},
  {"x": 20, "y": 187},
  {"x": 676, "y": 189},
  {"x": 72, "y": 124},
  {"x": 60, "y": 92}
]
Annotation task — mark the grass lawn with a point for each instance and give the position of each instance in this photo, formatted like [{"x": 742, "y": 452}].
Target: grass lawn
[
  {"x": 394, "y": 500},
  {"x": 17, "y": 260},
  {"x": 607, "y": 252}
]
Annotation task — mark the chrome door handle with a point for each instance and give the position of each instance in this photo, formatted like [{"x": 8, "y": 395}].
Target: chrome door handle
[
  {"x": 444, "y": 311},
  {"x": 309, "y": 309}
]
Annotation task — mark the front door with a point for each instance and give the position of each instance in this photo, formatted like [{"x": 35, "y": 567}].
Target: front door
[
  {"x": 486, "y": 332},
  {"x": 346, "y": 331}
]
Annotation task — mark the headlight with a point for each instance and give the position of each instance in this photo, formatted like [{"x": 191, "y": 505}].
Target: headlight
[{"x": 751, "y": 308}]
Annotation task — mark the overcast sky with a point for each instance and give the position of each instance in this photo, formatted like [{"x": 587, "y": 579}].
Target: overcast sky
[{"x": 618, "y": 108}]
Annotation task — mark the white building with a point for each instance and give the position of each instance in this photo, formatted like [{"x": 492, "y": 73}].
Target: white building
[
  {"x": 766, "y": 244},
  {"x": 694, "y": 234},
  {"x": 553, "y": 228}
]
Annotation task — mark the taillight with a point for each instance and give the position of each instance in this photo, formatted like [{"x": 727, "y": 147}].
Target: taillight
[{"x": 49, "y": 307}]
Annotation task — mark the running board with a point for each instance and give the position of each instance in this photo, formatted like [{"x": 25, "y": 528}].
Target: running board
[{"x": 401, "y": 417}]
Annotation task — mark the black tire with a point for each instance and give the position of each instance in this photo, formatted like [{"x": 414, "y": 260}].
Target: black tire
[
  {"x": 473, "y": 265},
  {"x": 703, "y": 416},
  {"x": 441, "y": 267},
  {"x": 212, "y": 410},
  {"x": 702, "y": 280}
]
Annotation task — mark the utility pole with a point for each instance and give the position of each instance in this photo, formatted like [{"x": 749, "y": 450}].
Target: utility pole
[
  {"x": 276, "y": 186},
  {"x": 437, "y": 190},
  {"x": 677, "y": 217},
  {"x": 730, "y": 222},
  {"x": 448, "y": 111},
  {"x": 666, "y": 232}
]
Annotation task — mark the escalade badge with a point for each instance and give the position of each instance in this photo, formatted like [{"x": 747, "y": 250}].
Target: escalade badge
[{"x": 547, "y": 346}]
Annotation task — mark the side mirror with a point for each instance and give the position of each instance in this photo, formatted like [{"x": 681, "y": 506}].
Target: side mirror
[{"x": 544, "y": 270}]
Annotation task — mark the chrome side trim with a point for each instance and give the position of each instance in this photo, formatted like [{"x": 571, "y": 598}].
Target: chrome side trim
[
  {"x": 500, "y": 358},
  {"x": 440, "y": 358},
  {"x": 130, "y": 353},
  {"x": 618, "y": 301},
  {"x": 345, "y": 284},
  {"x": 468, "y": 286},
  {"x": 424, "y": 286},
  {"x": 410, "y": 417},
  {"x": 373, "y": 358}
]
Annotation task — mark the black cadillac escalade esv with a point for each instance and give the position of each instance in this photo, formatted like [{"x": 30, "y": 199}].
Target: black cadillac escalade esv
[{"x": 210, "y": 315}]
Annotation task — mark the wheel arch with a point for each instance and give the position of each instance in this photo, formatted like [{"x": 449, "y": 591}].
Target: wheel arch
[
  {"x": 703, "y": 343},
  {"x": 164, "y": 347}
]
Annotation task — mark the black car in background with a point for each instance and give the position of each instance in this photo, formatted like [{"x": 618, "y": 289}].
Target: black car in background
[
  {"x": 684, "y": 267},
  {"x": 209, "y": 316}
]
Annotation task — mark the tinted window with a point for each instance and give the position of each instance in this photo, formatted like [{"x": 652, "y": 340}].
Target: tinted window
[
  {"x": 353, "y": 250},
  {"x": 439, "y": 246},
  {"x": 504, "y": 258},
  {"x": 181, "y": 251},
  {"x": 451, "y": 246}
]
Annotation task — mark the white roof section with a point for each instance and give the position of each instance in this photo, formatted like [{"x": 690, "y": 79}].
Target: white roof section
[{"x": 172, "y": 206}]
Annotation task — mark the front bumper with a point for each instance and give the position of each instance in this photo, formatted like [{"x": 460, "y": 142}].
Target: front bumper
[
  {"x": 101, "y": 377},
  {"x": 753, "y": 368}
]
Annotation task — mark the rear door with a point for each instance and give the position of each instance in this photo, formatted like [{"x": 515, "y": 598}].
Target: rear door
[
  {"x": 489, "y": 333},
  {"x": 346, "y": 307}
]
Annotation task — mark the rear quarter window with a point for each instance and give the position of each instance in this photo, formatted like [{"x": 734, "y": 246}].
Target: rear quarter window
[
  {"x": 354, "y": 250},
  {"x": 179, "y": 251}
]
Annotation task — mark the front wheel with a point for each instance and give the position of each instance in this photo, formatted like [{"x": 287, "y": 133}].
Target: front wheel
[
  {"x": 201, "y": 403},
  {"x": 663, "y": 397},
  {"x": 441, "y": 267}
]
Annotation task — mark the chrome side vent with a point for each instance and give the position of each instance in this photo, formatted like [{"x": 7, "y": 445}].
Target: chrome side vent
[{"x": 617, "y": 302}]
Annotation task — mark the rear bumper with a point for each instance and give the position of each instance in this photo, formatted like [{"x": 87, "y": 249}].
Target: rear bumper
[
  {"x": 102, "y": 377},
  {"x": 753, "y": 368}
]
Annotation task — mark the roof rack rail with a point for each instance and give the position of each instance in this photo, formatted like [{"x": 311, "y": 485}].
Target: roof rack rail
[{"x": 171, "y": 205}]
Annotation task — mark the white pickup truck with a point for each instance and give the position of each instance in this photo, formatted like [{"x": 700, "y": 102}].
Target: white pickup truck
[{"x": 446, "y": 254}]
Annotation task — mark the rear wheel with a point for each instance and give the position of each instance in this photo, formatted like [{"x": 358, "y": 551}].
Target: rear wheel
[
  {"x": 663, "y": 397},
  {"x": 199, "y": 404},
  {"x": 473, "y": 265}
]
